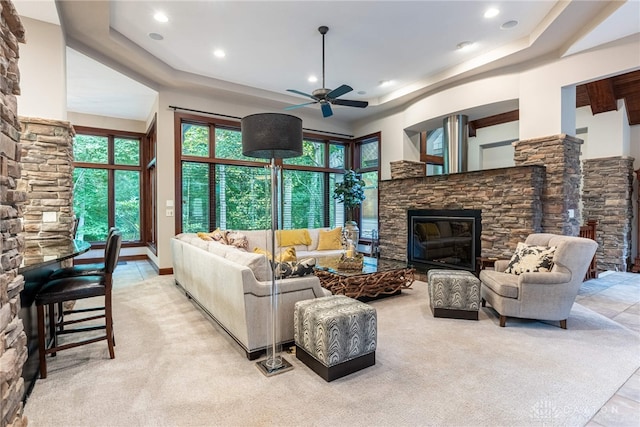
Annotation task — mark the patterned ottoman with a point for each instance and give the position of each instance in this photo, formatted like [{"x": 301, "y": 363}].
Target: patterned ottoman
[
  {"x": 335, "y": 335},
  {"x": 454, "y": 294}
]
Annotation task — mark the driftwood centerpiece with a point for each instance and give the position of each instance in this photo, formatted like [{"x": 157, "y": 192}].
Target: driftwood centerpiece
[{"x": 375, "y": 278}]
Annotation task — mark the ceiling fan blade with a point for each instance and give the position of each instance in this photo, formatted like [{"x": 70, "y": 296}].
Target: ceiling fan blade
[
  {"x": 293, "y": 107},
  {"x": 326, "y": 109},
  {"x": 350, "y": 103},
  {"x": 339, "y": 91},
  {"x": 302, "y": 93}
]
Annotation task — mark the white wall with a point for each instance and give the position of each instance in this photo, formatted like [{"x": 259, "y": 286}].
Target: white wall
[
  {"x": 491, "y": 147},
  {"x": 537, "y": 89},
  {"x": 102, "y": 122},
  {"x": 541, "y": 87},
  {"x": 42, "y": 63}
]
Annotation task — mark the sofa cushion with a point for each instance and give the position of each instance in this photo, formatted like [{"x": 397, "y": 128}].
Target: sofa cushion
[
  {"x": 258, "y": 263},
  {"x": 330, "y": 239},
  {"x": 504, "y": 284},
  {"x": 219, "y": 249},
  {"x": 529, "y": 259},
  {"x": 314, "y": 233}
]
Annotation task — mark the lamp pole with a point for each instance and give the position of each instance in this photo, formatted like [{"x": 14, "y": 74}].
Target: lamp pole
[{"x": 272, "y": 136}]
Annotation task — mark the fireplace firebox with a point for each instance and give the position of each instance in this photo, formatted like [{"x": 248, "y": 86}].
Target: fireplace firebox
[{"x": 444, "y": 238}]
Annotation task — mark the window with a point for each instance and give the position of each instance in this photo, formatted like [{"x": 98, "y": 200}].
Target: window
[
  {"x": 219, "y": 187},
  {"x": 107, "y": 184},
  {"x": 367, "y": 165},
  {"x": 150, "y": 184},
  {"x": 432, "y": 151}
]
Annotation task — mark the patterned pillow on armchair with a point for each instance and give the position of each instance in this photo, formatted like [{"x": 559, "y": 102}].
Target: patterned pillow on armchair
[{"x": 530, "y": 259}]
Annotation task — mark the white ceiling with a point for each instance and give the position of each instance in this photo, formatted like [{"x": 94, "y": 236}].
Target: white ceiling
[{"x": 274, "y": 46}]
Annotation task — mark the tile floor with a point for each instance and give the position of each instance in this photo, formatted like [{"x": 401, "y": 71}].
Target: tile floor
[{"x": 613, "y": 294}]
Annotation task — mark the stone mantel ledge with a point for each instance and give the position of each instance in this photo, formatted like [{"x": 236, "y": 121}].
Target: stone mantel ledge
[
  {"x": 47, "y": 122},
  {"x": 483, "y": 172},
  {"x": 550, "y": 138}
]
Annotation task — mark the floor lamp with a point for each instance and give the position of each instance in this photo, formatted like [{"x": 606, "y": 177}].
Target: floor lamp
[{"x": 272, "y": 136}]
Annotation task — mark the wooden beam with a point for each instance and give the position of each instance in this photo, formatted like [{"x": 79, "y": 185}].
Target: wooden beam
[
  {"x": 432, "y": 160},
  {"x": 601, "y": 96},
  {"x": 498, "y": 119},
  {"x": 582, "y": 97}
]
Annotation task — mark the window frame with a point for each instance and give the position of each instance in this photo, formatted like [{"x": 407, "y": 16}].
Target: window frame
[
  {"x": 212, "y": 124},
  {"x": 357, "y": 157},
  {"x": 111, "y": 167}
]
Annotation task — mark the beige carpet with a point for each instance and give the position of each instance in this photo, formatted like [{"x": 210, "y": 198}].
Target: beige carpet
[{"x": 173, "y": 367}]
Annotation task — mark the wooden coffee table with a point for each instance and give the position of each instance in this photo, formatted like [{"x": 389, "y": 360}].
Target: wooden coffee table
[{"x": 378, "y": 277}]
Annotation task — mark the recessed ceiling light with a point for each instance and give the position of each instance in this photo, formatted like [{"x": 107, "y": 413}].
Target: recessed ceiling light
[
  {"x": 509, "y": 24},
  {"x": 312, "y": 79},
  {"x": 156, "y": 36},
  {"x": 219, "y": 53},
  {"x": 492, "y": 12},
  {"x": 161, "y": 17},
  {"x": 385, "y": 83},
  {"x": 362, "y": 92},
  {"x": 464, "y": 45}
]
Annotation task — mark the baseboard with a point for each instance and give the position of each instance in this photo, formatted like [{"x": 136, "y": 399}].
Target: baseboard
[{"x": 330, "y": 373}]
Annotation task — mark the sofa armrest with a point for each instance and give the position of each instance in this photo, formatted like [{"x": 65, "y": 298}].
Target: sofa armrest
[
  {"x": 550, "y": 278},
  {"x": 261, "y": 289}
]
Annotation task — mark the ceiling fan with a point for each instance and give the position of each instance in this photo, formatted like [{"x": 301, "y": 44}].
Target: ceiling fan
[{"x": 325, "y": 97}]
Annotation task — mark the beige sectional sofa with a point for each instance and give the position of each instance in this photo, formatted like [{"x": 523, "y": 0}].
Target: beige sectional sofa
[{"x": 233, "y": 285}]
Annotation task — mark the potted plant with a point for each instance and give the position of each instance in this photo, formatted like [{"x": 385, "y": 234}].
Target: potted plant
[{"x": 351, "y": 193}]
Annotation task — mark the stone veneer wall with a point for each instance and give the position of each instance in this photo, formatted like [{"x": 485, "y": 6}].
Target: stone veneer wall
[
  {"x": 13, "y": 340},
  {"x": 47, "y": 176},
  {"x": 508, "y": 216},
  {"x": 607, "y": 197},
  {"x": 407, "y": 169},
  {"x": 514, "y": 201},
  {"x": 560, "y": 154}
]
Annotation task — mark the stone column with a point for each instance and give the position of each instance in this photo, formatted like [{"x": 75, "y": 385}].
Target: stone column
[
  {"x": 607, "y": 197},
  {"x": 47, "y": 177},
  {"x": 560, "y": 154},
  {"x": 13, "y": 340}
]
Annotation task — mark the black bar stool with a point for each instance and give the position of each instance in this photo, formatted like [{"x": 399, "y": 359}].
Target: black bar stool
[{"x": 71, "y": 288}]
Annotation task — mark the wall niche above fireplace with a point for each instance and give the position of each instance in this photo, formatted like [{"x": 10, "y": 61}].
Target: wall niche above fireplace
[{"x": 439, "y": 238}]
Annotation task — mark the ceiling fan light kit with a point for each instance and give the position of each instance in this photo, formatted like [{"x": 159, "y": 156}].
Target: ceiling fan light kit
[{"x": 325, "y": 97}]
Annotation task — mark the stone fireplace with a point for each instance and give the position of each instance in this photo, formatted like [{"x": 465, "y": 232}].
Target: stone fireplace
[{"x": 532, "y": 197}]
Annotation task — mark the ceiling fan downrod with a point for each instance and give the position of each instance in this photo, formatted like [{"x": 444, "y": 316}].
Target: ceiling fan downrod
[{"x": 323, "y": 30}]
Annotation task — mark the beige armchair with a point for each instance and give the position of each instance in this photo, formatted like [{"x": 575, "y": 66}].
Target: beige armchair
[{"x": 540, "y": 295}]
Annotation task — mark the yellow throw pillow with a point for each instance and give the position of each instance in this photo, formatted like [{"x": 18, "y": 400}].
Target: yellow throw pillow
[
  {"x": 330, "y": 239},
  {"x": 204, "y": 236},
  {"x": 287, "y": 255},
  {"x": 263, "y": 252},
  {"x": 295, "y": 237}
]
